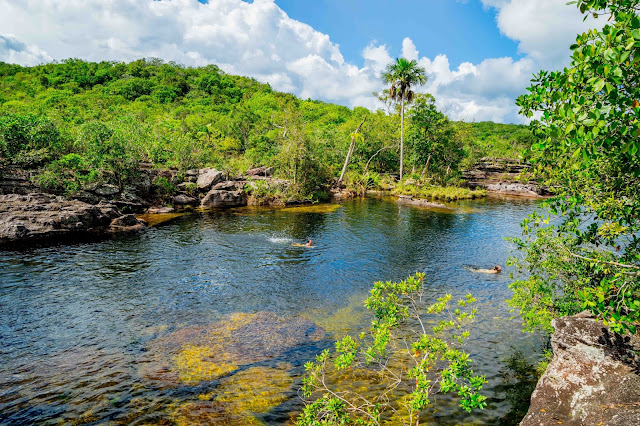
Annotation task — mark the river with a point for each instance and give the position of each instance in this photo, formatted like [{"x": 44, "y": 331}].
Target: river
[{"x": 107, "y": 332}]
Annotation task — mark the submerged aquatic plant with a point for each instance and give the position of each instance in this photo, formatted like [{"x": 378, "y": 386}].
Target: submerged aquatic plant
[{"x": 399, "y": 365}]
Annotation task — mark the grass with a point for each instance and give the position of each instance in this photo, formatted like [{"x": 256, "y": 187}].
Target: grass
[{"x": 445, "y": 193}]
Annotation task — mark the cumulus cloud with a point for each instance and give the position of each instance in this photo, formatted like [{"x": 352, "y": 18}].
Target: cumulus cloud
[
  {"x": 260, "y": 40},
  {"x": 544, "y": 29},
  {"x": 257, "y": 39},
  {"x": 14, "y": 51},
  {"x": 409, "y": 49}
]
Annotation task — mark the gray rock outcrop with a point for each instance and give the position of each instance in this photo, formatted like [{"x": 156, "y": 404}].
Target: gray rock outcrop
[
  {"x": 594, "y": 378},
  {"x": 217, "y": 198},
  {"x": 208, "y": 177},
  {"x": 504, "y": 176},
  {"x": 183, "y": 199},
  {"x": 37, "y": 217}
]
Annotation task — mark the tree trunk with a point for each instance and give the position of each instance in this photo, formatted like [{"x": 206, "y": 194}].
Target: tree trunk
[
  {"x": 426, "y": 166},
  {"x": 402, "y": 135},
  {"x": 350, "y": 152}
]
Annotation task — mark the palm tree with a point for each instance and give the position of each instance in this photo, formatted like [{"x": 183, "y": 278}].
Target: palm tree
[{"x": 402, "y": 74}]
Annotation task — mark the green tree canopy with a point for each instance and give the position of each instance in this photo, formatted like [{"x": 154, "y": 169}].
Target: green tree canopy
[{"x": 588, "y": 151}]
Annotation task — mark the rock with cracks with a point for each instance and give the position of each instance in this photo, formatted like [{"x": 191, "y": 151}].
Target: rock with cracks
[
  {"x": 594, "y": 378},
  {"x": 208, "y": 177},
  {"x": 36, "y": 217},
  {"x": 220, "y": 198}
]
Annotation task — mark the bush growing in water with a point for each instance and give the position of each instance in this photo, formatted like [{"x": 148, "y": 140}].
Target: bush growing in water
[
  {"x": 402, "y": 370},
  {"x": 448, "y": 193}
]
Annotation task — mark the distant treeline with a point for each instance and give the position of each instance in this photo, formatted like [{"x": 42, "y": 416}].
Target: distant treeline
[{"x": 86, "y": 121}]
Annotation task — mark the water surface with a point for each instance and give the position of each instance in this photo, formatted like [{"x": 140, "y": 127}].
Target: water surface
[{"x": 80, "y": 324}]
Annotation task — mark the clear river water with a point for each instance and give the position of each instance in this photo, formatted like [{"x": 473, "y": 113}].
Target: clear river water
[{"x": 209, "y": 318}]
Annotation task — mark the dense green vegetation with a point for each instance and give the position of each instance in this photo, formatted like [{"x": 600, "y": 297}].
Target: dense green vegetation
[
  {"x": 584, "y": 253},
  {"x": 85, "y": 121}
]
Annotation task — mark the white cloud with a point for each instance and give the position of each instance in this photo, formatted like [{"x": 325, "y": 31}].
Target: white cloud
[
  {"x": 258, "y": 39},
  {"x": 14, "y": 51},
  {"x": 409, "y": 50},
  {"x": 376, "y": 57},
  {"x": 544, "y": 29}
]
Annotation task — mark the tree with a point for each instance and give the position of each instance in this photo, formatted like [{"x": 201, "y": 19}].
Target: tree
[
  {"x": 432, "y": 138},
  {"x": 585, "y": 254},
  {"x": 402, "y": 74},
  {"x": 401, "y": 363}
]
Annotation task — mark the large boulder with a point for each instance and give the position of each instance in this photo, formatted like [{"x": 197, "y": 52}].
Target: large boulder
[
  {"x": 221, "y": 198},
  {"x": 183, "y": 199},
  {"x": 208, "y": 177},
  {"x": 593, "y": 379},
  {"x": 37, "y": 216}
]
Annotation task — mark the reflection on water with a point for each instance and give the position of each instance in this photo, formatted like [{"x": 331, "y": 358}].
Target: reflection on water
[{"x": 166, "y": 327}]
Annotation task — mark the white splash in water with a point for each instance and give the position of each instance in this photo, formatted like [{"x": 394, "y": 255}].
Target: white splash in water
[{"x": 281, "y": 240}]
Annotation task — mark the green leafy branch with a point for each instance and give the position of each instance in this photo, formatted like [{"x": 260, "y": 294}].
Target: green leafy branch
[{"x": 395, "y": 369}]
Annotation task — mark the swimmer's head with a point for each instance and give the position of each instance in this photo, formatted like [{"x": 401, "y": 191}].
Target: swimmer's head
[{"x": 497, "y": 268}]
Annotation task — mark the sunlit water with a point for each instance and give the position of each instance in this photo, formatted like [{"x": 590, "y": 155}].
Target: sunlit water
[{"x": 79, "y": 323}]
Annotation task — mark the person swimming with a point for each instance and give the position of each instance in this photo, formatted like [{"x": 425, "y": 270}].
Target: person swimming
[
  {"x": 309, "y": 243},
  {"x": 495, "y": 270}
]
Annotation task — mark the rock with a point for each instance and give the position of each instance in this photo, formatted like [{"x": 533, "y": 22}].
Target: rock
[
  {"x": 14, "y": 180},
  {"x": 192, "y": 172},
  {"x": 503, "y": 175},
  {"x": 107, "y": 190},
  {"x": 197, "y": 354},
  {"x": 127, "y": 223},
  {"x": 183, "y": 199},
  {"x": 221, "y": 198},
  {"x": 515, "y": 188},
  {"x": 161, "y": 210},
  {"x": 208, "y": 177},
  {"x": 408, "y": 199},
  {"x": 227, "y": 186},
  {"x": 260, "y": 171},
  {"x": 38, "y": 216},
  {"x": 593, "y": 379}
]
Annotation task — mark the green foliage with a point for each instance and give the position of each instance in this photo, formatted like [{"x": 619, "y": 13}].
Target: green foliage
[
  {"x": 405, "y": 359},
  {"x": 448, "y": 193},
  {"x": 67, "y": 175},
  {"x": 361, "y": 183},
  {"x": 27, "y": 134},
  {"x": 495, "y": 140},
  {"x": 116, "y": 114},
  {"x": 164, "y": 187},
  {"x": 585, "y": 253}
]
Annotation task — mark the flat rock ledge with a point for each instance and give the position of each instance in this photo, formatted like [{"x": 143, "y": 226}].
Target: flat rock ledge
[
  {"x": 593, "y": 379},
  {"x": 408, "y": 199},
  {"x": 37, "y": 217}
]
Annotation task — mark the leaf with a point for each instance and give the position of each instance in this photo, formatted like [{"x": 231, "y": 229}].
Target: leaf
[{"x": 599, "y": 84}]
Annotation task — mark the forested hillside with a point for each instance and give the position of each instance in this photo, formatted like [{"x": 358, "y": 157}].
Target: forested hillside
[{"x": 82, "y": 121}]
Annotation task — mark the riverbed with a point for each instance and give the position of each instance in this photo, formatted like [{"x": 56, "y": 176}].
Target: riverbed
[{"x": 143, "y": 329}]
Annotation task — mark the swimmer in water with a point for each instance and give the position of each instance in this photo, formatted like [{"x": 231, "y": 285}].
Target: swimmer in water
[
  {"x": 495, "y": 270},
  {"x": 309, "y": 243}
]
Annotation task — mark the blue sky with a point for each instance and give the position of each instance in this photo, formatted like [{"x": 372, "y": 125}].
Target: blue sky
[
  {"x": 479, "y": 55},
  {"x": 462, "y": 31}
]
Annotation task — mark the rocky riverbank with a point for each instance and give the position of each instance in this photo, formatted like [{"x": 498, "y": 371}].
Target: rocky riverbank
[
  {"x": 39, "y": 217},
  {"x": 28, "y": 213},
  {"x": 504, "y": 176},
  {"x": 593, "y": 379}
]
